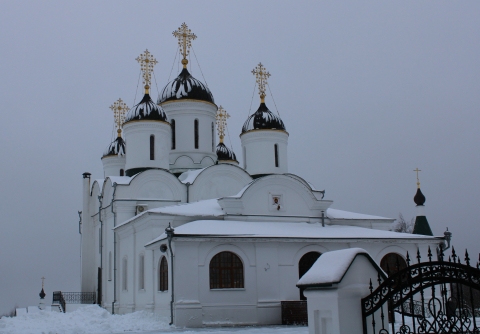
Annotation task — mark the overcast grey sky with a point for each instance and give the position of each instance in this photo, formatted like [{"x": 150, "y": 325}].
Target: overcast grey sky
[{"x": 368, "y": 90}]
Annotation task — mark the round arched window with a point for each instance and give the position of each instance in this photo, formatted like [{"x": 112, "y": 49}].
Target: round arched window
[
  {"x": 304, "y": 265},
  {"x": 392, "y": 262},
  {"x": 226, "y": 271}
]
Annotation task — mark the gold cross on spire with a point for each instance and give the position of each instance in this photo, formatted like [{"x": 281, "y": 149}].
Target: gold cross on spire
[
  {"x": 418, "y": 180},
  {"x": 147, "y": 62},
  {"x": 221, "y": 120},
  {"x": 119, "y": 110},
  {"x": 185, "y": 38},
  {"x": 262, "y": 75}
]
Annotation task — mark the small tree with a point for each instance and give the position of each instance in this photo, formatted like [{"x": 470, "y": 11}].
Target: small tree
[{"x": 402, "y": 226}]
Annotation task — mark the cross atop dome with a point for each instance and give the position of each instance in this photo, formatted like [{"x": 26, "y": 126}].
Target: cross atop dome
[
  {"x": 418, "y": 180},
  {"x": 221, "y": 120},
  {"x": 261, "y": 75},
  {"x": 185, "y": 38},
  {"x": 147, "y": 62},
  {"x": 119, "y": 109}
]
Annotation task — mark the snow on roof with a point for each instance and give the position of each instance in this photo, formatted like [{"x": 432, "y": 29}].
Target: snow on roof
[
  {"x": 240, "y": 193},
  {"x": 190, "y": 176},
  {"x": 340, "y": 214},
  {"x": 331, "y": 267},
  {"x": 120, "y": 179},
  {"x": 205, "y": 208},
  {"x": 209, "y": 207},
  {"x": 249, "y": 229}
]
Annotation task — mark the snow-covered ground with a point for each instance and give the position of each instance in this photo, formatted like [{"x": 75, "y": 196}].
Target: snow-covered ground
[{"x": 93, "y": 319}]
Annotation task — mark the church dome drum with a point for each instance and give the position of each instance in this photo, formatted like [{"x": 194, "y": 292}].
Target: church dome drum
[
  {"x": 113, "y": 159},
  {"x": 146, "y": 110},
  {"x": 263, "y": 119},
  {"x": 185, "y": 86}
]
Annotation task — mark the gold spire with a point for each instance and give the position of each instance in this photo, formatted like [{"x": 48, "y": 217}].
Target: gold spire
[
  {"x": 418, "y": 180},
  {"x": 147, "y": 62},
  {"x": 262, "y": 75},
  {"x": 221, "y": 120},
  {"x": 119, "y": 110},
  {"x": 185, "y": 38}
]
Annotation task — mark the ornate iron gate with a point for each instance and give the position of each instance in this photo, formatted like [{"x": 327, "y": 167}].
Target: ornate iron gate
[{"x": 428, "y": 297}]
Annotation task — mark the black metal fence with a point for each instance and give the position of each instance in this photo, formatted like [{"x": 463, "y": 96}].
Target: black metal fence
[
  {"x": 429, "y": 297},
  {"x": 58, "y": 298},
  {"x": 63, "y": 298},
  {"x": 294, "y": 312}
]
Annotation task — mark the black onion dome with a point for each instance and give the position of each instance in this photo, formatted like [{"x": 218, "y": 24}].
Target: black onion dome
[
  {"x": 419, "y": 198},
  {"x": 185, "y": 87},
  {"x": 263, "y": 118},
  {"x": 117, "y": 147},
  {"x": 224, "y": 153},
  {"x": 146, "y": 110}
]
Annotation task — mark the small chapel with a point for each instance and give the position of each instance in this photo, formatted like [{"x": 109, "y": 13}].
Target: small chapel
[{"x": 179, "y": 226}]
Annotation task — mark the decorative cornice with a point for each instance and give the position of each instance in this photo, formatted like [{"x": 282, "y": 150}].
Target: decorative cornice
[
  {"x": 143, "y": 123},
  {"x": 263, "y": 131},
  {"x": 187, "y": 101}
]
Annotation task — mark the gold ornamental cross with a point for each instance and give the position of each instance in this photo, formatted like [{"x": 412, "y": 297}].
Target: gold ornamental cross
[
  {"x": 119, "y": 109},
  {"x": 418, "y": 180},
  {"x": 221, "y": 120},
  {"x": 185, "y": 38},
  {"x": 147, "y": 62},
  {"x": 261, "y": 75}
]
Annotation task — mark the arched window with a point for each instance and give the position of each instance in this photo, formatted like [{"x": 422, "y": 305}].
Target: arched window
[
  {"x": 276, "y": 155},
  {"x": 152, "y": 147},
  {"x": 122, "y": 172},
  {"x": 304, "y": 265},
  {"x": 163, "y": 275},
  {"x": 109, "y": 266},
  {"x": 124, "y": 274},
  {"x": 213, "y": 138},
  {"x": 392, "y": 262},
  {"x": 141, "y": 272},
  {"x": 172, "y": 123},
  {"x": 196, "y": 133},
  {"x": 226, "y": 271}
]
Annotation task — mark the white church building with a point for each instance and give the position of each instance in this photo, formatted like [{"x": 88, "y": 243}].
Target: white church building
[{"x": 179, "y": 227}]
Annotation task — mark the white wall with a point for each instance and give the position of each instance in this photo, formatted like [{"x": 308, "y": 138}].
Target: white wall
[
  {"x": 259, "y": 153},
  {"x": 112, "y": 165},
  {"x": 270, "y": 276},
  {"x": 137, "y": 138},
  {"x": 218, "y": 181},
  {"x": 185, "y": 156}
]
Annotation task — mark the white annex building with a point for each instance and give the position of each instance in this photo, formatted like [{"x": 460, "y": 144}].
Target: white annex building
[{"x": 177, "y": 226}]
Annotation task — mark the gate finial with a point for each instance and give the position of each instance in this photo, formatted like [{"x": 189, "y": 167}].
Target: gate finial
[
  {"x": 379, "y": 279},
  {"x": 467, "y": 258},
  {"x": 441, "y": 254}
]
